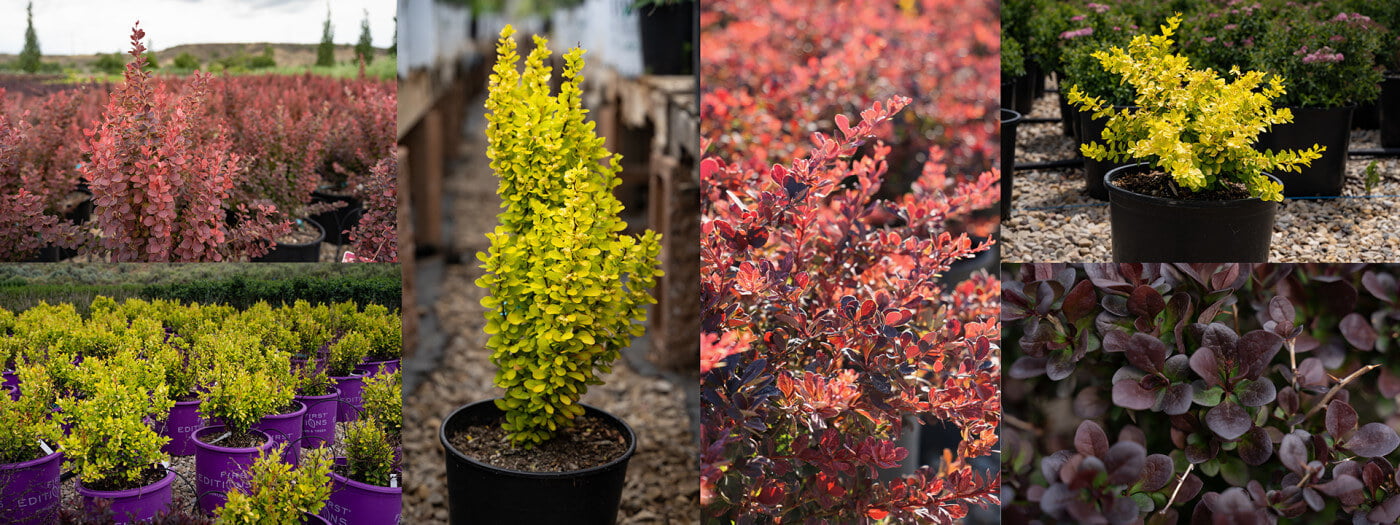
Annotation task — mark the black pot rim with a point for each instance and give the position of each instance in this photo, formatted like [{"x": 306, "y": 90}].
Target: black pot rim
[
  {"x": 318, "y": 240},
  {"x": 1114, "y": 190},
  {"x": 1016, "y": 116},
  {"x": 1320, "y": 108},
  {"x": 626, "y": 455}
]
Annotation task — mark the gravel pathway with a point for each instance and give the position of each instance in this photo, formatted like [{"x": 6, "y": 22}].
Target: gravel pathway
[
  {"x": 1077, "y": 230},
  {"x": 662, "y": 478}
]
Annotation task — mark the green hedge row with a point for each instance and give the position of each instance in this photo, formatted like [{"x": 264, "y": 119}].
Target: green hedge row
[{"x": 241, "y": 292}]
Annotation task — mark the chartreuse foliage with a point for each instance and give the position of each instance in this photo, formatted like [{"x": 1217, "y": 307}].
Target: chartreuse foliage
[
  {"x": 384, "y": 402},
  {"x": 110, "y": 438},
  {"x": 1194, "y": 124},
  {"x": 278, "y": 494},
  {"x": 567, "y": 290},
  {"x": 349, "y": 351},
  {"x": 27, "y": 421},
  {"x": 368, "y": 456}
]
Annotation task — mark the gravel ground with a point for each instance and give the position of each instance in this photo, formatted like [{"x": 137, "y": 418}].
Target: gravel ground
[
  {"x": 662, "y": 480},
  {"x": 1337, "y": 230}
]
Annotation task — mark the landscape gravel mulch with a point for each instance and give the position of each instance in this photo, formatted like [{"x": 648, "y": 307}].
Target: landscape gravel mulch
[
  {"x": 662, "y": 477},
  {"x": 1053, "y": 220}
]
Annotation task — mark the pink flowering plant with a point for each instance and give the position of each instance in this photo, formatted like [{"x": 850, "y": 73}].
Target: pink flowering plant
[
  {"x": 1225, "y": 36},
  {"x": 1328, "y": 58}
]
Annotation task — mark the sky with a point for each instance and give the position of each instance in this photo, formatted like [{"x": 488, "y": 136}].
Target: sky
[{"x": 69, "y": 27}]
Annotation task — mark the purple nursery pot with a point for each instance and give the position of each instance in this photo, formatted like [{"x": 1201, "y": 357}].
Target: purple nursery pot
[
  {"x": 285, "y": 428},
  {"x": 318, "y": 424},
  {"x": 371, "y": 368},
  {"x": 11, "y": 379},
  {"x": 12, "y": 390},
  {"x": 132, "y": 505},
  {"x": 219, "y": 469},
  {"x": 361, "y": 503},
  {"x": 312, "y": 519},
  {"x": 351, "y": 396},
  {"x": 184, "y": 420},
  {"x": 29, "y": 490}
]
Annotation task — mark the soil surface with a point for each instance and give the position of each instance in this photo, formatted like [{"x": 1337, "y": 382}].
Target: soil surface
[
  {"x": 1157, "y": 183},
  {"x": 244, "y": 440},
  {"x": 590, "y": 443}
]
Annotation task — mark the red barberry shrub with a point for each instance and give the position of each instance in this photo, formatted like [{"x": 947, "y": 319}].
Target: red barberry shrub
[
  {"x": 159, "y": 176},
  {"x": 376, "y": 237},
  {"x": 1229, "y": 393},
  {"x": 25, "y": 224},
  {"x": 825, "y": 329}
]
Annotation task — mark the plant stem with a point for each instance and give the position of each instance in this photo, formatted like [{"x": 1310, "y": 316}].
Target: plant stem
[
  {"x": 1021, "y": 424},
  {"x": 1337, "y": 388},
  {"x": 1176, "y": 490},
  {"x": 1292, "y": 362}
]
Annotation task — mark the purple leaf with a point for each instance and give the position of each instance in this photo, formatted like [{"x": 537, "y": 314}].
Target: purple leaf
[
  {"x": 1314, "y": 499},
  {"x": 1387, "y": 512},
  {"x": 1255, "y": 350},
  {"x": 1341, "y": 419},
  {"x": 1055, "y": 498},
  {"x": 1373, "y": 440},
  {"x": 1381, "y": 285},
  {"x": 1080, "y": 301},
  {"x": 1088, "y": 404},
  {"x": 1339, "y": 487},
  {"x": 1124, "y": 462},
  {"x": 1256, "y": 393},
  {"x": 1176, "y": 399},
  {"x": 1128, "y": 394},
  {"x": 1122, "y": 511},
  {"x": 1293, "y": 453},
  {"x": 1115, "y": 341},
  {"x": 1219, "y": 337},
  {"x": 1157, "y": 471},
  {"x": 1228, "y": 420},
  {"x": 1027, "y": 367},
  {"x": 1146, "y": 352},
  {"x": 1145, "y": 302},
  {"x": 1255, "y": 448},
  {"x": 1050, "y": 465},
  {"x": 1281, "y": 310},
  {"x": 1060, "y": 365},
  {"x": 1204, "y": 363},
  {"x": 1358, "y": 332},
  {"x": 1090, "y": 439}
]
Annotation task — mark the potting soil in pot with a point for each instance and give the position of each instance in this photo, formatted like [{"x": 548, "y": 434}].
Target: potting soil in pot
[
  {"x": 1158, "y": 184},
  {"x": 591, "y": 442}
]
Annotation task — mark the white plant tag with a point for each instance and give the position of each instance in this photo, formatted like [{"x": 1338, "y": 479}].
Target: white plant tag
[
  {"x": 45, "y": 446},
  {"x": 221, "y": 438},
  {"x": 393, "y": 480}
]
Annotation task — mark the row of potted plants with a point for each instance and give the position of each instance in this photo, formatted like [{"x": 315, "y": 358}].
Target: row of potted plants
[
  {"x": 112, "y": 395},
  {"x": 196, "y": 168}
]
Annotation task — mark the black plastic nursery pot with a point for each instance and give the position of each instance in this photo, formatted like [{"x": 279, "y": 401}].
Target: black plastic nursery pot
[
  {"x": 1390, "y": 112},
  {"x": 1069, "y": 118},
  {"x": 1328, "y": 127},
  {"x": 1008, "y": 92},
  {"x": 1009, "y": 121},
  {"x": 668, "y": 38},
  {"x": 482, "y": 493},
  {"x": 338, "y": 220},
  {"x": 1154, "y": 229},
  {"x": 302, "y": 252},
  {"x": 1091, "y": 130},
  {"x": 1023, "y": 96}
]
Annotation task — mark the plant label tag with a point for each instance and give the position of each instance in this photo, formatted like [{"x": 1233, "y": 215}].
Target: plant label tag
[
  {"x": 393, "y": 480},
  {"x": 221, "y": 438},
  {"x": 45, "y": 446}
]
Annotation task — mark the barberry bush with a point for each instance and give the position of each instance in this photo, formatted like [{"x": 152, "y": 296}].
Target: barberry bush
[
  {"x": 1208, "y": 393},
  {"x": 159, "y": 178},
  {"x": 826, "y": 331}
]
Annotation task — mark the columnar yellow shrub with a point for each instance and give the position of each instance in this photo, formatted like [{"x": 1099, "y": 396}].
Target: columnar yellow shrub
[{"x": 567, "y": 290}]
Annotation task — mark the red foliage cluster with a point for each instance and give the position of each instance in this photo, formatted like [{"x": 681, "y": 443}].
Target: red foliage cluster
[
  {"x": 376, "y": 237},
  {"x": 27, "y": 228},
  {"x": 216, "y": 165},
  {"x": 773, "y": 69},
  {"x": 159, "y": 181},
  {"x": 826, "y": 329}
]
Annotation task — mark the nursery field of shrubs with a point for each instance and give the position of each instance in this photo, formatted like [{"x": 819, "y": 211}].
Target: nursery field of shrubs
[
  {"x": 288, "y": 412},
  {"x": 198, "y": 168}
]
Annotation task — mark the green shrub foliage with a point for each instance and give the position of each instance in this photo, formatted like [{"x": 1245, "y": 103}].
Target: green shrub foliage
[
  {"x": 368, "y": 456},
  {"x": 279, "y": 494},
  {"x": 110, "y": 437},
  {"x": 384, "y": 402},
  {"x": 567, "y": 290}
]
